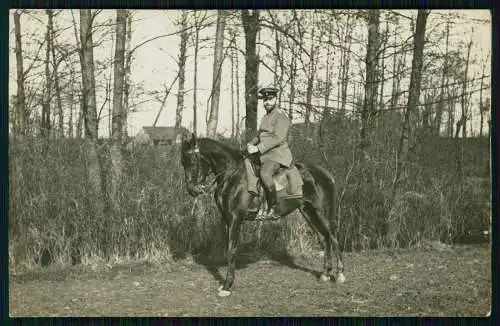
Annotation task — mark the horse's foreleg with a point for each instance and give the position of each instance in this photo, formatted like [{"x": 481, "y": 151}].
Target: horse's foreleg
[
  {"x": 232, "y": 246},
  {"x": 339, "y": 278}
]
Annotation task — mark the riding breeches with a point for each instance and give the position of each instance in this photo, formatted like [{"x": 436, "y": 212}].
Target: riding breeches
[{"x": 267, "y": 170}]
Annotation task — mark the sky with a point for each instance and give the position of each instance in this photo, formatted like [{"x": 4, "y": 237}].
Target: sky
[{"x": 154, "y": 64}]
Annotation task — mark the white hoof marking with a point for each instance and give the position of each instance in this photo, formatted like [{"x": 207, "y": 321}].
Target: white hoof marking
[
  {"x": 324, "y": 278},
  {"x": 340, "y": 278},
  {"x": 224, "y": 293}
]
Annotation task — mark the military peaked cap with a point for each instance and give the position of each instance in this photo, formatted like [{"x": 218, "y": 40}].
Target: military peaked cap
[{"x": 267, "y": 92}]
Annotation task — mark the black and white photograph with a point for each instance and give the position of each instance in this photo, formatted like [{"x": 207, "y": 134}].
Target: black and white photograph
[{"x": 248, "y": 163}]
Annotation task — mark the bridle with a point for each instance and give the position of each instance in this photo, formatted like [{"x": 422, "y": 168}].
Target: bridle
[
  {"x": 195, "y": 152},
  {"x": 206, "y": 188}
]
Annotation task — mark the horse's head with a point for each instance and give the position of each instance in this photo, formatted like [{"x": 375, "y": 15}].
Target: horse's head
[{"x": 196, "y": 168}]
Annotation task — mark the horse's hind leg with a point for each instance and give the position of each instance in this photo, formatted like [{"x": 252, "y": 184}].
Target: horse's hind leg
[
  {"x": 317, "y": 224},
  {"x": 318, "y": 221}
]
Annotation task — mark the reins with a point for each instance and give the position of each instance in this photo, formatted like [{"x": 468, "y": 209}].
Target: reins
[{"x": 234, "y": 165}]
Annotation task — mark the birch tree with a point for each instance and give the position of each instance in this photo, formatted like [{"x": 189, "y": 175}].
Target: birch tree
[
  {"x": 182, "y": 71},
  {"x": 118, "y": 107},
  {"x": 198, "y": 21},
  {"x": 127, "y": 68},
  {"x": 216, "y": 74}
]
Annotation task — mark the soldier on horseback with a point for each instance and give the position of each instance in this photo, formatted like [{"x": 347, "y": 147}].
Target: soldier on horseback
[{"x": 271, "y": 144}]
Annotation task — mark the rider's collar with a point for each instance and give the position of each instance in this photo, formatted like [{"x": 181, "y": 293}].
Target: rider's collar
[{"x": 272, "y": 110}]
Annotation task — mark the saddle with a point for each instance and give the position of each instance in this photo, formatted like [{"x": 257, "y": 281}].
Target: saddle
[{"x": 288, "y": 183}]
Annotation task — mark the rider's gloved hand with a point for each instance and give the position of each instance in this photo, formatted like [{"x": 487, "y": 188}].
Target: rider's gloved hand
[{"x": 252, "y": 148}]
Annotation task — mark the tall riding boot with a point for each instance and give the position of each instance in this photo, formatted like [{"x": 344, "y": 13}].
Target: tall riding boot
[
  {"x": 272, "y": 200},
  {"x": 254, "y": 204}
]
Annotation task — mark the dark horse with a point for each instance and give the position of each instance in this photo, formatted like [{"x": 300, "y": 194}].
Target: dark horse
[{"x": 202, "y": 156}]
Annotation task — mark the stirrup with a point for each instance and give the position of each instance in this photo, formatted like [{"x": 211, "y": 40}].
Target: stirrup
[{"x": 269, "y": 215}]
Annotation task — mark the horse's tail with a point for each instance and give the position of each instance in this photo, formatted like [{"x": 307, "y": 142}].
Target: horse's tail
[{"x": 334, "y": 198}]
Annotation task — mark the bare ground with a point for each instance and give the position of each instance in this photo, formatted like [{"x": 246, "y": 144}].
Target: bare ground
[{"x": 434, "y": 281}]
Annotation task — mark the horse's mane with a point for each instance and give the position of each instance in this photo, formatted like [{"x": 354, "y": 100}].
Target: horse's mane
[{"x": 216, "y": 147}]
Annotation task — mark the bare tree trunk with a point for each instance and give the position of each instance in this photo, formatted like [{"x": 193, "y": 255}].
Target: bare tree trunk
[
  {"x": 20, "y": 124},
  {"x": 118, "y": 108},
  {"x": 233, "y": 75},
  {"x": 276, "y": 46},
  {"x": 88, "y": 81},
  {"x": 46, "y": 119},
  {"x": 217, "y": 72},
  {"x": 237, "y": 94},
  {"x": 195, "y": 78},
  {"x": 461, "y": 123},
  {"x": 232, "y": 101},
  {"x": 452, "y": 101},
  {"x": 89, "y": 111},
  {"x": 80, "y": 108},
  {"x": 79, "y": 121},
  {"x": 345, "y": 69},
  {"x": 369, "y": 104},
  {"x": 251, "y": 26},
  {"x": 395, "y": 80},
  {"x": 293, "y": 73},
  {"x": 414, "y": 91},
  {"x": 444, "y": 82},
  {"x": 464, "y": 98},
  {"x": 71, "y": 106},
  {"x": 429, "y": 97},
  {"x": 328, "y": 73},
  {"x": 55, "y": 65},
  {"x": 164, "y": 100},
  {"x": 279, "y": 66},
  {"x": 126, "y": 81},
  {"x": 481, "y": 103},
  {"x": 182, "y": 72},
  {"x": 398, "y": 64},
  {"x": 382, "y": 67},
  {"x": 280, "y": 51},
  {"x": 310, "y": 78},
  {"x": 119, "y": 74},
  {"x": 108, "y": 85}
]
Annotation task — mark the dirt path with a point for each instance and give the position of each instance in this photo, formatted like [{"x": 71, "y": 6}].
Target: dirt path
[{"x": 448, "y": 281}]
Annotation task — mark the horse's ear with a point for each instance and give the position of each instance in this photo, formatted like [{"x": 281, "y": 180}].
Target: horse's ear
[
  {"x": 185, "y": 137},
  {"x": 194, "y": 139}
]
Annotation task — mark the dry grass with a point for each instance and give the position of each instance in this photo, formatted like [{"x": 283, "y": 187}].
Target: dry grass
[{"x": 51, "y": 219}]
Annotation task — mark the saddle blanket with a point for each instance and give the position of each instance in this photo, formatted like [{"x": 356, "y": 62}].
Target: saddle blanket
[{"x": 288, "y": 181}]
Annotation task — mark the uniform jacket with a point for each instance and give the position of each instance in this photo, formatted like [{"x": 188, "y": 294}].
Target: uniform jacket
[{"x": 271, "y": 140}]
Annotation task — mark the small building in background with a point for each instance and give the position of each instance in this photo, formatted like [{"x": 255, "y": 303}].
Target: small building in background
[{"x": 158, "y": 136}]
